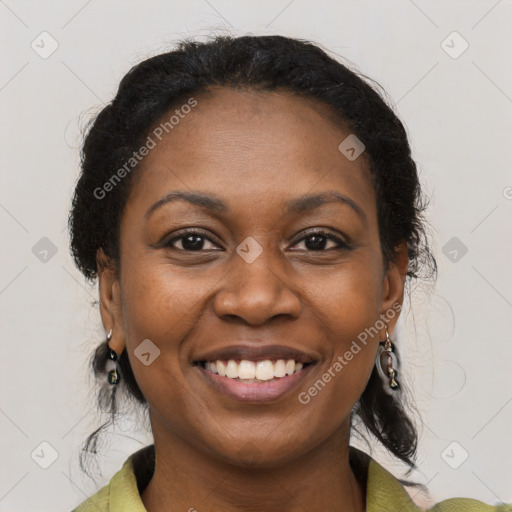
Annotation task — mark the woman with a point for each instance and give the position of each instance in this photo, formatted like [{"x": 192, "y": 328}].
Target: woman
[{"x": 252, "y": 213}]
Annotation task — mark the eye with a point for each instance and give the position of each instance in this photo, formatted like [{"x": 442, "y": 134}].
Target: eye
[
  {"x": 191, "y": 240},
  {"x": 194, "y": 240},
  {"x": 318, "y": 239}
]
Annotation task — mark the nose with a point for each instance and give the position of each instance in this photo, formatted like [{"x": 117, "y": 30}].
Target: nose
[{"x": 256, "y": 292}]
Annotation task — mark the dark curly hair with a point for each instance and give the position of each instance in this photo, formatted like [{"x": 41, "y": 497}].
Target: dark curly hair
[{"x": 260, "y": 63}]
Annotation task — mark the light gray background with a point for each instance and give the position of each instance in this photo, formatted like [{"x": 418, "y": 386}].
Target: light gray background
[{"x": 457, "y": 111}]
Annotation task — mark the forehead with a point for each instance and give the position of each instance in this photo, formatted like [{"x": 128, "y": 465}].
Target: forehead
[{"x": 251, "y": 148}]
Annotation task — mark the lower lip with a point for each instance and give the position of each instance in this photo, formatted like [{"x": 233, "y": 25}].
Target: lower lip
[{"x": 255, "y": 391}]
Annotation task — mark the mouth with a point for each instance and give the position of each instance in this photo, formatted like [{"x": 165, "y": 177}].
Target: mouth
[
  {"x": 243, "y": 370},
  {"x": 255, "y": 374}
]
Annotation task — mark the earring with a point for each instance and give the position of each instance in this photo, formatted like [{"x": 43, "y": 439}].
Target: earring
[
  {"x": 387, "y": 364},
  {"x": 113, "y": 375}
]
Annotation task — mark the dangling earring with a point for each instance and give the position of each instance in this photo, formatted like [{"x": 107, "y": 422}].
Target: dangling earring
[
  {"x": 387, "y": 364},
  {"x": 113, "y": 374}
]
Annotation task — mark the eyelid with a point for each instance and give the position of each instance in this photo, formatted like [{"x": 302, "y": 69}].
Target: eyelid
[
  {"x": 327, "y": 232},
  {"x": 341, "y": 242},
  {"x": 188, "y": 231}
]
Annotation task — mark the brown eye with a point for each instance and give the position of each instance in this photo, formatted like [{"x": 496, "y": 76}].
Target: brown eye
[
  {"x": 318, "y": 240},
  {"x": 195, "y": 241},
  {"x": 190, "y": 241}
]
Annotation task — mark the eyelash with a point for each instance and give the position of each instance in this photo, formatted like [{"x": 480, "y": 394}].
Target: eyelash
[{"x": 341, "y": 244}]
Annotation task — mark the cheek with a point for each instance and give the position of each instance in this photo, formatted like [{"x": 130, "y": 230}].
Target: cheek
[
  {"x": 346, "y": 300},
  {"x": 161, "y": 307},
  {"x": 347, "y": 307},
  {"x": 160, "y": 304}
]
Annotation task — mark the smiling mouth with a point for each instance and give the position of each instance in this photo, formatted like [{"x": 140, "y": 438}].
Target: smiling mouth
[{"x": 254, "y": 371}]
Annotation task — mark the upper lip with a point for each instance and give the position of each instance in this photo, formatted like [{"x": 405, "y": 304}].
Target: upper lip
[{"x": 255, "y": 353}]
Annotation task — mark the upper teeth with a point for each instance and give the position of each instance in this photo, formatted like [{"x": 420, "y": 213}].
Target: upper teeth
[{"x": 247, "y": 370}]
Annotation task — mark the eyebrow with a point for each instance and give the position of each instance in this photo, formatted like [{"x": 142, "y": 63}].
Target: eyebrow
[{"x": 295, "y": 206}]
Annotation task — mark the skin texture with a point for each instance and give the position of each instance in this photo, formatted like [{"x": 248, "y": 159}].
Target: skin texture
[{"x": 255, "y": 151}]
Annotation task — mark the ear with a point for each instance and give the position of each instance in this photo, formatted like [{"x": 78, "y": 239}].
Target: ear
[
  {"x": 110, "y": 300},
  {"x": 393, "y": 285}
]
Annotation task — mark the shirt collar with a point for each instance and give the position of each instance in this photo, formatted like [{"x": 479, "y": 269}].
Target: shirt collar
[
  {"x": 385, "y": 492},
  {"x": 123, "y": 492}
]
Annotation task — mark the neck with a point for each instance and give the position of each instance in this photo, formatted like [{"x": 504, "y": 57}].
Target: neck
[{"x": 186, "y": 478}]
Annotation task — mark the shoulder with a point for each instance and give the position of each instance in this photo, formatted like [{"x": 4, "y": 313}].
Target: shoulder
[
  {"x": 121, "y": 494},
  {"x": 468, "y": 505},
  {"x": 385, "y": 492},
  {"x": 99, "y": 501}
]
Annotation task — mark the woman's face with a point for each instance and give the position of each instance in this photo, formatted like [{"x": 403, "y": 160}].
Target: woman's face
[{"x": 252, "y": 277}]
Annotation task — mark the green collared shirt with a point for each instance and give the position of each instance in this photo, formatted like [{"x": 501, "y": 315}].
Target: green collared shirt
[{"x": 384, "y": 493}]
